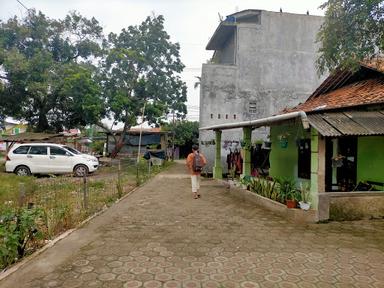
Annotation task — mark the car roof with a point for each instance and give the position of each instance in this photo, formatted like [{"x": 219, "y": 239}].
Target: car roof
[{"x": 38, "y": 144}]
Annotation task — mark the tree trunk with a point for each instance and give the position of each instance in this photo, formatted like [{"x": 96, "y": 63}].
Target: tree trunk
[
  {"x": 120, "y": 142},
  {"x": 109, "y": 131},
  {"x": 42, "y": 125}
]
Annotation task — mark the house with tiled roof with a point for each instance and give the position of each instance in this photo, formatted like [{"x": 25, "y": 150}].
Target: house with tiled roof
[{"x": 332, "y": 143}]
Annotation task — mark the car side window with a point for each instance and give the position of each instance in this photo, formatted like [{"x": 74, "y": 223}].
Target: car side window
[
  {"x": 21, "y": 150},
  {"x": 38, "y": 150},
  {"x": 57, "y": 151}
]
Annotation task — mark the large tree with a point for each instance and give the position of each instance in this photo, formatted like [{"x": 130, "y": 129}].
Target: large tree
[
  {"x": 353, "y": 30},
  {"x": 185, "y": 132},
  {"x": 184, "y": 135},
  {"x": 2, "y": 113},
  {"x": 142, "y": 69},
  {"x": 47, "y": 70}
]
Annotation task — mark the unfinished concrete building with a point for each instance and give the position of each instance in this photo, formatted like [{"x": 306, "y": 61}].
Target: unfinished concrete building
[{"x": 263, "y": 62}]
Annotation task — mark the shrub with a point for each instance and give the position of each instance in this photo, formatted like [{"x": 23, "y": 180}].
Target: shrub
[
  {"x": 264, "y": 188},
  {"x": 18, "y": 227},
  {"x": 287, "y": 189}
]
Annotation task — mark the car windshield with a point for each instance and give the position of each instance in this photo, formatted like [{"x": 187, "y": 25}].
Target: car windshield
[{"x": 74, "y": 151}]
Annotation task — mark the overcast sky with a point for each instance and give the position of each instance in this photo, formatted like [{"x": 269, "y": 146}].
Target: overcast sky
[{"x": 189, "y": 22}]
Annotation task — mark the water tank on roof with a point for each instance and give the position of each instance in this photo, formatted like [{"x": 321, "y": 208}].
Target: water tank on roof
[{"x": 230, "y": 19}]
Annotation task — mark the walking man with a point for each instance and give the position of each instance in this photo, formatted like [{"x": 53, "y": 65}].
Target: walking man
[{"x": 195, "y": 163}]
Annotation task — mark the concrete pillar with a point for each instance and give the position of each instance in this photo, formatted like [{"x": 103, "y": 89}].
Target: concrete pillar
[
  {"x": 317, "y": 167},
  {"x": 323, "y": 207},
  {"x": 218, "y": 169},
  {"x": 247, "y": 139},
  {"x": 335, "y": 145},
  {"x": 321, "y": 165},
  {"x": 323, "y": 199}
]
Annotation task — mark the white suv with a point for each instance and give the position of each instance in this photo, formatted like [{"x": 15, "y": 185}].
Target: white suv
[{"x": 47, "y": 158}]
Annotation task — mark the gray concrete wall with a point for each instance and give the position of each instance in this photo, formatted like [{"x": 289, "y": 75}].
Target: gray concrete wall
[
  {"x": 275, "y": 68},
  {"x": 276, "y": 60},
  {"x": 227, "y": 55}
]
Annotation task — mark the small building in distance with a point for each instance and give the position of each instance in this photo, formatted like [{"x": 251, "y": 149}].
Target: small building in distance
[{"x": 150, "y": 138}]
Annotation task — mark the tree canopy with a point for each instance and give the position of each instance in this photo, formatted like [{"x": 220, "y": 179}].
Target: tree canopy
[
  {"x": 353, "y": 30},
  {"x": 66, "y": 73},
  {"x": 45, "y": 61},
  {"x": 142, "y": 68},
  {"x": 186, "y": 132}
]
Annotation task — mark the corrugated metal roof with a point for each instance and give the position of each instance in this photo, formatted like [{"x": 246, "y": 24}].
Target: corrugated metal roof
[
  {"x": 317, "y": 121},
  {"x": 373, "y": 121},
  {"x": 348, "y": 123},
  {"x": 29, "y": 136}
]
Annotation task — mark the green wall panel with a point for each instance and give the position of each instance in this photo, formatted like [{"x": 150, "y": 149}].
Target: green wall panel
[
  {"x": 283, "y": 161},
  {"x": 370, "y": 158}
]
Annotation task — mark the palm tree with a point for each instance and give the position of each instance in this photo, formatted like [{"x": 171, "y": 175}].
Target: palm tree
[{"x": 197, "y": 84}]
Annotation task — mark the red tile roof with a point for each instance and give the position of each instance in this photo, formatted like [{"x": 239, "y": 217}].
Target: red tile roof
[
  {"x": 345, "y": 88},
  {"x": 363, "y": 92},
  {"x": 375, "y": 64}
]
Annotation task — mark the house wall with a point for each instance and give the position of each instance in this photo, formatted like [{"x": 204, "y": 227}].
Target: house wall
[
  {"x": 275, "y": 68},
  {"x": 284, "y": 161},
  {"x": 12, "y": 129},
  {"x": 370, "y": 158}
]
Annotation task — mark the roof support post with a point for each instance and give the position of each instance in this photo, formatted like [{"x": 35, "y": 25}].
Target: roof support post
[
  {"x": 315, "y": 137},
  {"x": 247, "y": 139},
  {"x": 218, "y": 169},
  {"x": 323, "y": 199}
]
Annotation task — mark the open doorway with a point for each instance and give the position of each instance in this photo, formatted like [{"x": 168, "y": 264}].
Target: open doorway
[{"x": 341, "y": 164}]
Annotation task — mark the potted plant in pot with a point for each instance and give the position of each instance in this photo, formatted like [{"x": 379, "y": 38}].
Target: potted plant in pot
[
  {"x": 305, "y": 195},
  {"x": 291, "y": 198},
  {"x": 246, "y": 182},
  {"x": 287, "y": 191}
]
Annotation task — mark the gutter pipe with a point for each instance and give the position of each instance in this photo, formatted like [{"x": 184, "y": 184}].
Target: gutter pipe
[{"x": 262, "y": 122}]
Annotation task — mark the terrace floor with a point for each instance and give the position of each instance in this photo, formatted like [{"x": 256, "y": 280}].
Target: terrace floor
[{"x": 159, "y": 236}]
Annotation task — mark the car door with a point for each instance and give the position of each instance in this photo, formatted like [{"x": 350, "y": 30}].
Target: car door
[
  {"x": 60, "y": 160},
  {"x": 38, "y": 159},
  {"x": 19, "y": 157}
]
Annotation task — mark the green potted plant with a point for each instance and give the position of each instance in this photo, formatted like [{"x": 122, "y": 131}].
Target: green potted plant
[
  {"x": 283, "y": 139},
  {"x": 291, "y": 198},
  {"x": 246, "y": 181},
  {"x": 305, "y": 195},
  {"x": 287, "y": 191}
]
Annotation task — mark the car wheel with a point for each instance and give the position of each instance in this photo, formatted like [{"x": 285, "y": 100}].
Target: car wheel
[
  {"x": 80, "y": 170},
  {"x": 22, "y": 171}
]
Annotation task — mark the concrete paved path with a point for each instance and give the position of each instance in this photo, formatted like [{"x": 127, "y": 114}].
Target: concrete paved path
[{"x": 160, "y": 236}]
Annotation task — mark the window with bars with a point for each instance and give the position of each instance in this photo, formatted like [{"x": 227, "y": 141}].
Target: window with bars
[{"x": 252, "y": 108}]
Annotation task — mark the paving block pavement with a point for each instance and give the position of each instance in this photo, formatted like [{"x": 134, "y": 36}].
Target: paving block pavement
[{"x": 160, "y": 236}]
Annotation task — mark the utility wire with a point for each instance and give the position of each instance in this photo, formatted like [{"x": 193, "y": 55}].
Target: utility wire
[{"x": 22, "y": 5}]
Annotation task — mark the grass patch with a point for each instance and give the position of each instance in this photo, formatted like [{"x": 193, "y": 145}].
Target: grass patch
[
  {"x": 10, "y": 187},
  {"x": 63, "y": 202}
]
